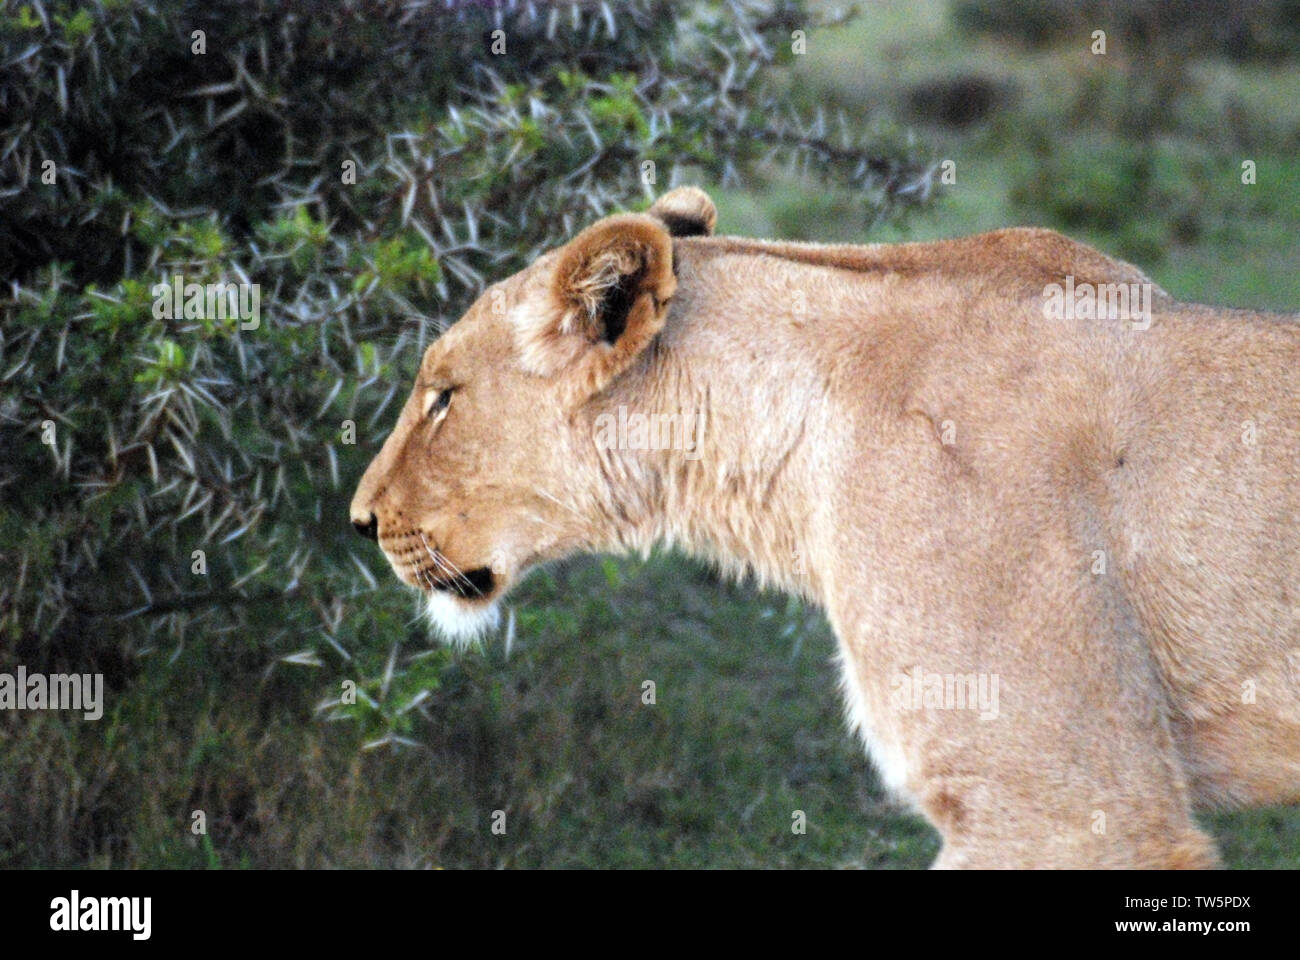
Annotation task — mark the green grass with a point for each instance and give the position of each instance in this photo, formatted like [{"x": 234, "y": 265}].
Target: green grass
[{"x": 746, "y": 729}]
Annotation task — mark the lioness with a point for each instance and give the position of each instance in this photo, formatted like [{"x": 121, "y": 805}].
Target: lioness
[{"x": 1092, "y": 518}]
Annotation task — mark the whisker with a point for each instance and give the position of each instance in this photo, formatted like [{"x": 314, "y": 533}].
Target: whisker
[
  {"x": 447, "y": 566},
  {"x": 542, "y": 520},
  {"x": 433, "y": 555},
  {"x": 554, "y": 499},
  {"x": 438, "y": 560}
]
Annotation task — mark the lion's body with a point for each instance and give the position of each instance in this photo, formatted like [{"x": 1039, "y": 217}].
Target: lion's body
[{"x": 1098, "y": 515}]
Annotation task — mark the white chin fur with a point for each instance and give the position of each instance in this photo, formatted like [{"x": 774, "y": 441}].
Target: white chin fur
[{"x": 457, "y": 622}]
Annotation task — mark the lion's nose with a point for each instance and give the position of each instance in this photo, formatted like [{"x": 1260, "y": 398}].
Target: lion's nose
[{"x": 367, "y": 527}]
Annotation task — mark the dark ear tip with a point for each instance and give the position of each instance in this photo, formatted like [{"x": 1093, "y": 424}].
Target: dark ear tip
[
  {"x": 684, "y": 226},
  {"x": 686, "y": 212}
]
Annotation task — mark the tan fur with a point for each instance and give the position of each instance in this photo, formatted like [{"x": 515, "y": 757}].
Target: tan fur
[{"x": 899, "y": 434}]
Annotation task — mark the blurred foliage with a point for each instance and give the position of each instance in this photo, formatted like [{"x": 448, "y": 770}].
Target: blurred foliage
[
  {"x": 368, "y": 165},
  {"x": 1241, "y": 30},
  {"x": 468, "y": 144},
  {"x": 1134, "y": 101}
]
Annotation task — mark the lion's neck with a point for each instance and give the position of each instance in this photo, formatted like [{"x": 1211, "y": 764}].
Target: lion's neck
[{"x": 709, "y": 464}]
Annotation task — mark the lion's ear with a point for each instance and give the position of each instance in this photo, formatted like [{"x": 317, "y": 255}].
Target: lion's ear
[
  {"x": 686, "y": 212},
  {"x": 604, "y": 303}
]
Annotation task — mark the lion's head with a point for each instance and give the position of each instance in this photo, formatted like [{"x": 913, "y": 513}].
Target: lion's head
[{"x": 491, "y": 468}]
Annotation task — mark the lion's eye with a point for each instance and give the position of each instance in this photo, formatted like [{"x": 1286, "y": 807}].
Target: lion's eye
[{"x": 439, "y": 403}]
